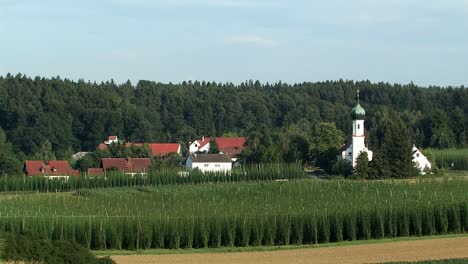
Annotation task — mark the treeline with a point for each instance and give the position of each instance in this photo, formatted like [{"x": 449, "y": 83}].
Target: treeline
[{"x": 65, "y": 116}]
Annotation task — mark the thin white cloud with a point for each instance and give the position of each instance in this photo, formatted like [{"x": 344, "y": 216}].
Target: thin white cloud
[{"x": 252, "y": 40}]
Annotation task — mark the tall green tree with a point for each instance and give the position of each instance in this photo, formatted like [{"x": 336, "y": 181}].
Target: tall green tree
[
  {"x": 45, "y": 152},
  {"x": 361, "y": 170},
  {"x": 397, "y": 151},
  {"x": 214, "y": 149}
]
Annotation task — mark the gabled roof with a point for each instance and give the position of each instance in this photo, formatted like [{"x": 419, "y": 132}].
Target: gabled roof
[
  {"x": 160, "y": 149},
  {"x": 157, "y": 149},
  {"x": 230, "y": 142},
  {"x": 54, "y": 168},
  {"x": 210, "y": 158},
  {"x": 228, "y": 145},
  {"x": 61, "y": 167},
  {"x": 138, "y": 164},
  {"x": 33, "y": 167},
  {"x": 121, "y": 164},
  {"x": 118, "y": 163},
  {"x": 164, "y": 148}
]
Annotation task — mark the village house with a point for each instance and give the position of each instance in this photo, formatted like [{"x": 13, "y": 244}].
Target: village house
[
  {"x": 132, "y": 166},
  {"x": 421, "y": 161},
  {"x": 229, "y": 146},
  {"x": 209, "y": 162},
  {"x": 53, "y": 169},
  {"x": 157, "y": 149}
]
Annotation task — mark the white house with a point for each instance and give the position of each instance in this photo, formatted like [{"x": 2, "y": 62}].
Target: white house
[
  {"x": 111, "y": 139},
  {"x": 201, "y": 145},
  {"x": 209, "y": 162},
  {"x": 421, "y": 161},
  {"x": 357, "y": 145}
]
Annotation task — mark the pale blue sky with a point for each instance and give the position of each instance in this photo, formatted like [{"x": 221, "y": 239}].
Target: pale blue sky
[{"x": 424, "y": 41}]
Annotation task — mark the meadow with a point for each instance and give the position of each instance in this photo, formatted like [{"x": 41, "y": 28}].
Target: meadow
[{"x": 240, "y": 214}]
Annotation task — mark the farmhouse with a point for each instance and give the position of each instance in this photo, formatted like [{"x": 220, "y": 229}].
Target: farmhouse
[
  {"x": 157, "y": 149},
  {"x": 353, "y": 149},
  {"x": 132, "y": 166},
  {"x": 231, "y": 146},
  {"x": 53, "y": 169},
  {"x": 422, "y": 162},
  {"x": 209, "y": 162}
]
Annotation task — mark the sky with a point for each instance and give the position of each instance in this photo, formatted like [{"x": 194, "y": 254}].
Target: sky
[{"x": 395, "y": 41}]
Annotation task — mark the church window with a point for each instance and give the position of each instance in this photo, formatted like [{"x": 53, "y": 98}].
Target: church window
[{"x": 358, "y": 126}]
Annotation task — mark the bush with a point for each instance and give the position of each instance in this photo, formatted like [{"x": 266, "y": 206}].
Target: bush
[{"x": 33, "y": 248}]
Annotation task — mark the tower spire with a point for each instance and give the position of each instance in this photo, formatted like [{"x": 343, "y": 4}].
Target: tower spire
[{"x": 357, "y": 93}]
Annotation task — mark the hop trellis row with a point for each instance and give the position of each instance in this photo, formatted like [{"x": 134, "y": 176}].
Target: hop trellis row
[{"x": 240, "y": 214}]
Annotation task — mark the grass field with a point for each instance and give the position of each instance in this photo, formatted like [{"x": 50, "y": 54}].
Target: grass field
[{"x": 240, "y": 214}]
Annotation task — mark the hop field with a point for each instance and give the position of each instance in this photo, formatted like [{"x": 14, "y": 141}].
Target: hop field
[
  {"x": 240, "y": 214},
  {"x": 449, "y": 158}
]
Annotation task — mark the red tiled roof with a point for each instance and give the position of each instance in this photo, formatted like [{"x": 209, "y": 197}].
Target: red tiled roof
[
  {"x": 95, "y": 171},
  {"x": 118, "y": 163},
  {"x": 164, "y": 148},
  {"x": 61, "y": 167},
  {"x": 54, "y": 168},
  {"x": 157, "y": 149},
  {"x": 228, "y": 145},
  {"x": 33, "y": 167},
  {"x": 133, "y": 164},
  {"x": 138, "y": 164},
  {"x": 228, "y": 142}
]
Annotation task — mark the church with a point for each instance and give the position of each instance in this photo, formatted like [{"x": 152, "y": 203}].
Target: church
[{"x": 352, "y": 150}]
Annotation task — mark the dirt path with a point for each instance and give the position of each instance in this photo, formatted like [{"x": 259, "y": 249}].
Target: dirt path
[{"x": 374, "y": 253}]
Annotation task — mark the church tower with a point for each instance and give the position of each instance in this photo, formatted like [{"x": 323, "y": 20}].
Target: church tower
[{"x": 351, "y": 151}]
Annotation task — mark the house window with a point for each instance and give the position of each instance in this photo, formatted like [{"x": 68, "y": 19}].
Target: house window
[
  {"x": 206, "y": 165},
  {"x": 217, "y": 165}
]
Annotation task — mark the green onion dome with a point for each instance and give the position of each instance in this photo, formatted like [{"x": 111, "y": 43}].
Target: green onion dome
[{"x": 358, "y": 112}]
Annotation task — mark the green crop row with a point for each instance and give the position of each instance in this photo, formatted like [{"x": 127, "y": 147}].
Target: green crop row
[
  {"x": 449, "y": 158},
  {"x": 240, "y": 214},
  {"x": 153, "y": 178},
  {"x": 242, "y": 231}
]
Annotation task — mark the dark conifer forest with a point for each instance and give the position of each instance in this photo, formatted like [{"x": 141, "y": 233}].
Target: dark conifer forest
[{"x": 286, "y": 122}]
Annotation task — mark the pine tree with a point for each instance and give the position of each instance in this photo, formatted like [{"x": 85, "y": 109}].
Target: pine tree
[
  {"x": 361, "y": 171},
  {"x": 397, "y": 151},
  {"x": 378, "y": 167},
  {"x": 213, "y": 146}
]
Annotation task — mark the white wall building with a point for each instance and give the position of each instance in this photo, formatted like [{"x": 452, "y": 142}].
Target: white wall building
[
  {"x": 202, "y": 145},
  {"x": 209, "y": 162},
  {"x": 352, "y": 150},
  {"x": 421, "y": 161}
]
